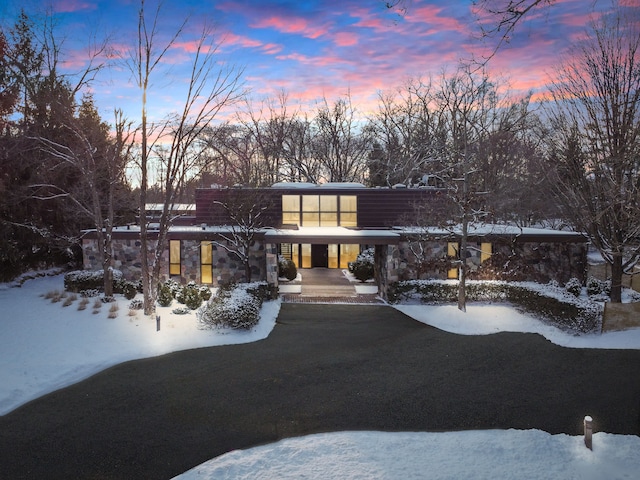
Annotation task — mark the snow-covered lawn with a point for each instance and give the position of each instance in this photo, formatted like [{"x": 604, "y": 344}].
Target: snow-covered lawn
[{"x": 45, "y": 346}]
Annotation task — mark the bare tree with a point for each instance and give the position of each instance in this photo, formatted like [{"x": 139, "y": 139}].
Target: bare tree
[
  {"x": 98, "y": 163},
  {"x": 596, "y": 117},
  {"x": 270, "y": 127},
  {"x": 499, "y": 18},
  {"x": 338, "y": 144},
  {"x": 246, "y": 210},
  {"x": 406, "y": 135},
  {"x": 210, "y": 88},
  {"x": 474, "y": 109}
]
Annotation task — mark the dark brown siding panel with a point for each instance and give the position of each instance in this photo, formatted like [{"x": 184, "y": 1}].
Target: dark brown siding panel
[
  {"x": 376, "y": 207},
  {"x": 386, "y": 208}
]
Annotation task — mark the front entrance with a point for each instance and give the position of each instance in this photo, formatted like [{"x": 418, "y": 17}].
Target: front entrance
[{"x": 320, "y": 256}]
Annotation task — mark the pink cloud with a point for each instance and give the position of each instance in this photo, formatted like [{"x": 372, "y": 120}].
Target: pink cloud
[
  {"x": 69, "y": 6},
  {"x": 345, "y": 39},
  {"x": 241, "y": 41},
  {"x": 287, "y": 24},
  {"x": 316, "y": 61},
  {"x": 230, "y": 39},
  {"x": 430, "y": 14}
]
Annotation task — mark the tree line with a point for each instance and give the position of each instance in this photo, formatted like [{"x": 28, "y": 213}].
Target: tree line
[{"x": 571, "y": 158}]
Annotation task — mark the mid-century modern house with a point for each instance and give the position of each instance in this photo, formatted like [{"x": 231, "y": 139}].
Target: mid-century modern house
[{"x": 327, "y": 226}]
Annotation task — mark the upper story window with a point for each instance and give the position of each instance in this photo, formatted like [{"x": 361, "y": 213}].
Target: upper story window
[
  {"x": 291, "y": 209},
  {"x": 320, "y": 210},
  {"x": 348, "y": 211}
]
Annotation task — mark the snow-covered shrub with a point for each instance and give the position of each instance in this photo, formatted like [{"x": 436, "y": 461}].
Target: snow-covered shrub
[
  {"x": 136, "y": 305},
  {"x": 574, "y": 287},
  {"x": 205, "y": 292},
  {"x": 191, "y": 296},
  {"x": 92, "y": 292},
  {"x": 260, "y": 290},
  {"x": 79, "y": 280},
  {"x": 165, "y": 296},
  {"x": 181, "y": 310},
  {"x": 174, "y": 287},
  {"x": 287, "y": 268},
  {"x": 237, "y": 307},
  {"x": 597, "y": 287},
  {"x": 363, "y": 267},
  {"x": 127, "y": 288}
]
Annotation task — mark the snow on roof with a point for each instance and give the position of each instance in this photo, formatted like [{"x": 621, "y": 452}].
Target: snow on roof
[
  {"x": 341, "y": 185},
  {"x": 488, "y": 229},
  {"x": 320, "y": 185},
  {"x": 331, "y": 235},
  {"x": 294, "y": 185},
  {"x": 178, "y": 207}
]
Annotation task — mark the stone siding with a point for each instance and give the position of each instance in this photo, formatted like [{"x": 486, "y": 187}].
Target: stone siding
[
  {"x": 516, "y": 261},
  {"x": 227, "y": 267}
]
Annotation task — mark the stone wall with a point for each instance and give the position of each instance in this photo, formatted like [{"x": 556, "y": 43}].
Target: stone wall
[
  {"x": 126, "y": 257},
  {"x": 227, "y": 267},
  {"x": 516, "y": 261}
]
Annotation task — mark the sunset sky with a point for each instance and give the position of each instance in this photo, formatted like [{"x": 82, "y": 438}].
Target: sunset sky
[{"x": 317, "y": 48}]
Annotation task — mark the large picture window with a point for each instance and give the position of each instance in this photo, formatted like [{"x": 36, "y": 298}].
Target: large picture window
[{"x": 320, "y": 210}]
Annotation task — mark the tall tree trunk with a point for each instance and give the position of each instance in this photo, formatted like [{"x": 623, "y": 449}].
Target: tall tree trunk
[
  {"x": 247, "y": 270},
  {"x": 462, "y": 283},
  {"x": 616, "y": 278},
  {"x": 148, "y": 297}
]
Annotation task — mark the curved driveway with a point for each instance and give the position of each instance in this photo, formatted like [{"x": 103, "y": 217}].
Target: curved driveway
[{"x": 323, "y": 368}]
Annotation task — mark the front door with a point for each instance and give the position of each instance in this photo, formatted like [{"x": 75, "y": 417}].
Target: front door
[{"x": 320, "y": 256}]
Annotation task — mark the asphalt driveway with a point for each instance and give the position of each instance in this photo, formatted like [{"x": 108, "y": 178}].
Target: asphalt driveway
[{"x": 323, "y": 368}]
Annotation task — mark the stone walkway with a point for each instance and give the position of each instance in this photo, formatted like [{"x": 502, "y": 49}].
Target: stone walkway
[{"x": 327, "y": 285}]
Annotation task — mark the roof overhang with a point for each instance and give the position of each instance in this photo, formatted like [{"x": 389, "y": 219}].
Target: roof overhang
[{"x": 330, "y": 235}]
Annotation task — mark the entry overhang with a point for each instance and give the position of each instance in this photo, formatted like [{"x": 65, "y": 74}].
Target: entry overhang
[{"x": 330, "y": 235}]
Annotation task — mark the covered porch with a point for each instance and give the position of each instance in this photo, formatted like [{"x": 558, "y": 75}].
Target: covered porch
[{"x": 322, "y": 253}]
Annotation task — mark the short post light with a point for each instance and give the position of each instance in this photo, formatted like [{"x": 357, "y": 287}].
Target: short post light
[{"x": 588, "y": 432}]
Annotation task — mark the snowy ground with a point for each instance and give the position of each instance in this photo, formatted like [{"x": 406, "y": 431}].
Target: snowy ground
[{"x": 45, "y": 346}]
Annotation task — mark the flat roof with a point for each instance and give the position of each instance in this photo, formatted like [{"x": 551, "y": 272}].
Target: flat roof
[{"x": 326, "y": 235}]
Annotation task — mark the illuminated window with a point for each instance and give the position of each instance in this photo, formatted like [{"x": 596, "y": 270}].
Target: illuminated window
[
  {"x": 348, "y": 253},
  {"x": 320, "y": 210},
  {"x": 306, "y": 255},
  {"x": 452, "y": 252},
  {"x": 333, "y": 256},
  {"x": 290, "y": 251},
  {"x": 328, "y": 219},
  {"x": 348, "y": 211},
  {"x": 206, "y": 259},
  {"x": 291, "y": 209},
  {"x": 328, "y": 203},
  {"x": 310, "y": 210},
  {"x": 485, "y": 252},
  {"x": 174, "y": 257}
]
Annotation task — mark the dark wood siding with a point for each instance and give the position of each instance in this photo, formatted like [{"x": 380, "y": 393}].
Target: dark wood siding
[
  {"x": 376, "y": 207},
  {"x": 394, "y": 207}
]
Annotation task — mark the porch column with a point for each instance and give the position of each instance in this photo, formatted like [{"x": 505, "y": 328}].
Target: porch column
[
  {"x": 271, "y": 259},
  {"x": 381, "y": 271}
]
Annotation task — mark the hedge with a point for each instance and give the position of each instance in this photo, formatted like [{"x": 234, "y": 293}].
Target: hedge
[{"x": 550, "y": 302}]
